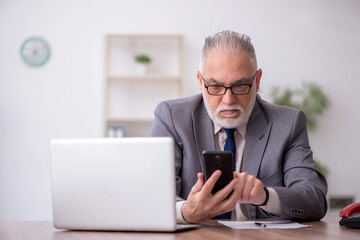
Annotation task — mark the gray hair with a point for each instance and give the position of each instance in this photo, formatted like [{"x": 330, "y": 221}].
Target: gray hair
[{"x": 228, "y": 41}]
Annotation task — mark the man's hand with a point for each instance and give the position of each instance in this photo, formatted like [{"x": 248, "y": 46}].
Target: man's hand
[
  {"x": 202, "y": 204},
  {"x": 250, "y": 189}
]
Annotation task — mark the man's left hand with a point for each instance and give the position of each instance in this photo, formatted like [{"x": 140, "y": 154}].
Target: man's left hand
[{"x": 250, "y": 189}]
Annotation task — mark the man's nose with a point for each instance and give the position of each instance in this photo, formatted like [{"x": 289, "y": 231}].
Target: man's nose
[{"x": 228, "y": 98}]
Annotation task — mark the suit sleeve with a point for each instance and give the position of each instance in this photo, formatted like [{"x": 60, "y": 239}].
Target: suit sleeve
[
  {"x": 303, "y": 196},
  {"x": 163, "y": 126}
]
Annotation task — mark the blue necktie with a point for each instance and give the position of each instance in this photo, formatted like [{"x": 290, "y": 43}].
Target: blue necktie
[
  {"x": 230, "y": 143},
  {"x": 229, "y": 146}
]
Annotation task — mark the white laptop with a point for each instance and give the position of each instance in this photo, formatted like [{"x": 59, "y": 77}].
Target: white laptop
[{"x": 121, "y": 184}]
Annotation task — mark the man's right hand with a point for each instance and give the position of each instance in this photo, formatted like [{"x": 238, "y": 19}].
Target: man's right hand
[{"x": 201, "y": 204}]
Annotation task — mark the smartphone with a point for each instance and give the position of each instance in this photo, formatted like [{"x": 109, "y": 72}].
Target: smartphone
[{"x": 222, "y": 160}]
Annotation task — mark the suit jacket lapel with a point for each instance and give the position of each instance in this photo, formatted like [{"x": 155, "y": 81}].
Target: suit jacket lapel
[
  {"x": 203, "y": 130},
  {"x": 257, "y": 135}
]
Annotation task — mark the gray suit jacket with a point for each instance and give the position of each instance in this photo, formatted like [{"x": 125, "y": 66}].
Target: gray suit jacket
[{"x": 276, "y": 151}]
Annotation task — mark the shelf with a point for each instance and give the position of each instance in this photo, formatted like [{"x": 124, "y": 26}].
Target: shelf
[
  {"x": 132, "y": 93},
  {"x": 144, "y": 78},
  {"x": 129, "y": 120},
  {"x": 129, "y": 127},
  {"x": 164, "y": 51},
  {"x": 145, "y": 36}
]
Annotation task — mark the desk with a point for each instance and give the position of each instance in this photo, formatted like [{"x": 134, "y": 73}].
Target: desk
[{"x": 210, "y": 230}]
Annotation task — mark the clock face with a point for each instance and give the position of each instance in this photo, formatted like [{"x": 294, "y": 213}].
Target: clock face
[{"x": 35, "y": 51}]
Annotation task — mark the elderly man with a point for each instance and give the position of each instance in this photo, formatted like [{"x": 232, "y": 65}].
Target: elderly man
[{"x": 275, "y": 173}]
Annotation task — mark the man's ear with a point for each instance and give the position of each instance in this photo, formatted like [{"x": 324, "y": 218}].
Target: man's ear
[
  {"x": 258, "y": 77},
  {"x": 198, "y": 75}
]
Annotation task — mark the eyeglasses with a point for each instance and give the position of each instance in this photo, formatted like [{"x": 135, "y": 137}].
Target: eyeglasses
[{"x": 239, "y": 89}]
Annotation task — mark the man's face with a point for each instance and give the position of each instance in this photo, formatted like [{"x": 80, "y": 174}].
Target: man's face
[{"x": 229, "y": 69}]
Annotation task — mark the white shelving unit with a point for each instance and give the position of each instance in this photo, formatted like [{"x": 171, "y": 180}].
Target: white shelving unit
[{"x": 130, "y": 97}]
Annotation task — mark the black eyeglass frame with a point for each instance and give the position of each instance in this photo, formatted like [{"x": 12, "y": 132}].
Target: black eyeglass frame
[{"x": 231, "y": 88}]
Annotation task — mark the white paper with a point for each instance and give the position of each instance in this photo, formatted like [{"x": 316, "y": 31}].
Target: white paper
[{"x": 268, "y": 224}]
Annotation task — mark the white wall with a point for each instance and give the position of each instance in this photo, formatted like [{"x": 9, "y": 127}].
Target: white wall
[{"x": 317, "y": 40}]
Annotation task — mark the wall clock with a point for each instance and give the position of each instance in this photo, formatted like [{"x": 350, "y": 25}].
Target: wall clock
[{"x": 35, "y": 51}]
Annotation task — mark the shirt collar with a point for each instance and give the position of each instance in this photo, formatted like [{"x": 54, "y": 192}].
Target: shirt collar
[{"x": 241, "y": 129}]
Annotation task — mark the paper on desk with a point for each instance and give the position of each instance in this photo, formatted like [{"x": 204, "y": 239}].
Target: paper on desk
[{"x": 269, "y": 224}]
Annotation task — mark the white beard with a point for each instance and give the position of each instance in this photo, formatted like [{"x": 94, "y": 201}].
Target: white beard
[{"x": 230, "y": 122}]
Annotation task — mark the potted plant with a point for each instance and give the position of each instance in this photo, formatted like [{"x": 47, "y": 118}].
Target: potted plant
[
  {"x": 311, "y": 99},
  {"x": 142, "y": 63}
]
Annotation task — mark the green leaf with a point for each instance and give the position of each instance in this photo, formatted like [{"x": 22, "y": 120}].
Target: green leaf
[
  {"x": 310, "y": 98},
  {"x": 142, "y": 58}
]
